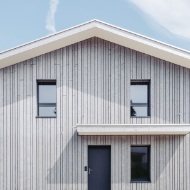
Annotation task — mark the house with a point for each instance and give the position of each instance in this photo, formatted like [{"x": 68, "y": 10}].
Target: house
[{"x": 95, "y": 107}]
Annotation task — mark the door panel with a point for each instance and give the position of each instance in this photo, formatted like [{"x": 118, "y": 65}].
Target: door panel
[{"x": 99, "y": 168}]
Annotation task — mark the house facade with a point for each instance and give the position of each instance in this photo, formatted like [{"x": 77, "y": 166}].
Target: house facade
[{"x": 95, "y": 107}]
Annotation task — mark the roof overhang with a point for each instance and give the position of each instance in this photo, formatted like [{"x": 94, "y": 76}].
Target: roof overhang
[
  {"x": 133, "y": 129},
  {"x": 99, "y": 29}
]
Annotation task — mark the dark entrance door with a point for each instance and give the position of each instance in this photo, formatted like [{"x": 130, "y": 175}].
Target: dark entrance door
[{"x": 99, "y": 168}]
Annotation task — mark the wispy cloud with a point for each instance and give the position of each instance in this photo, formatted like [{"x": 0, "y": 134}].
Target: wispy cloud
[
  {"x": 172, "y": 15},
  {"x": 50, "y": 20}
]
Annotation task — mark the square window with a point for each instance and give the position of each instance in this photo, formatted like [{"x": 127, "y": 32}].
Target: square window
[
  {"x": 140, "y": 100},
  {"x": 47, "y": 98},
  {"x": 140, "y": 163}
]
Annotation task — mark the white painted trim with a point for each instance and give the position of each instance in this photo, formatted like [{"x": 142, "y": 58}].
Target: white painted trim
[
  {"x": 99, "y": 29},
  {"x": 133, "y": 129}
]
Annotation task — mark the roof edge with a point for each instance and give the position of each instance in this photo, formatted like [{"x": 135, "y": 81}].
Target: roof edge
[
  {"x": 95, "y": 28},
  {"x": 96, "y": 21}
]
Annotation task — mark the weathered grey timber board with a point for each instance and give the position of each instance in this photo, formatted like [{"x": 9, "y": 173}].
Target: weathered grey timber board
[{"x": 93, "y": 87}]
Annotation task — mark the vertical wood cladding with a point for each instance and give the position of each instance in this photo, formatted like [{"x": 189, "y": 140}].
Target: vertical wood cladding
[{"x": 93, "y": 87}]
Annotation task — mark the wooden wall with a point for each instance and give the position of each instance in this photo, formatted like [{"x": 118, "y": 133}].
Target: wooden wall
[{"x": 93, "y": 86}]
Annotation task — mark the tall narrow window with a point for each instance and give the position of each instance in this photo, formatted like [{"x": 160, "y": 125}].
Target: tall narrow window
[
  {"x": 47, "y": 98},
  {"x": 140, "y": 100},
  {"x": 140, "y": 163}
]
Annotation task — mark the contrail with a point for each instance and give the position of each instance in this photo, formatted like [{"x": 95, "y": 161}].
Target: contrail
[{"x": 50, "y": 20}]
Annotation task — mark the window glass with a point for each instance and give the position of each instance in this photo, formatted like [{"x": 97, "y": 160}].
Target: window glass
[
  {"x": 47, "y": 93},
  {"x": 139, "y": 111},
  {"x": 139, "y": 93},
  {"x": 46, "y": 98},
  {"x": 140, "y": 163},
  {"x": 47, "y": 111}
]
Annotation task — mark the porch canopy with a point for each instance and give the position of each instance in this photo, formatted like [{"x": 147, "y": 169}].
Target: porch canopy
[{"x": 133, "y": 129}]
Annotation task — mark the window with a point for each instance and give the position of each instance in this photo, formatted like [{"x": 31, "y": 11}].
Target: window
[
  {"x": 47, "y": 98},
  {"x": 140, "y": 103},
  {"x": 140, "y": 163}
]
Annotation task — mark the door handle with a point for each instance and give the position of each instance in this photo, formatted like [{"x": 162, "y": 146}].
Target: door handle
[{"x": 89, "y": 171}]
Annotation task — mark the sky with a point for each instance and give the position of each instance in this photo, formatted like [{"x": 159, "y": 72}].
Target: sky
[{"x": 22, "y": 21}]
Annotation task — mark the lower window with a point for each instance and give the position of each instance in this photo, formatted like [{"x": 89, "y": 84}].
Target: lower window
[{"x": 140, "y": 163}]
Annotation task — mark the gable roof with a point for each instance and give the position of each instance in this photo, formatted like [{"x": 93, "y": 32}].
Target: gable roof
[{"x": 99, "y": 29}]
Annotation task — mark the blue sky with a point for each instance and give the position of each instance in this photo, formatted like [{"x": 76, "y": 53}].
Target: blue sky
[{"x": 22, "y": 21}]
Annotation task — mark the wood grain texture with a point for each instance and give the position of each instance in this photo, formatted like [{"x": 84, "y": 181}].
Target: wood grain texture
[{"x": 93, "y": 87}]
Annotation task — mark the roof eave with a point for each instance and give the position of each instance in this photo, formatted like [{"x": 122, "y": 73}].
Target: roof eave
[
  {"x": 46, "y": 45},
  {"x": 96, "y": 29}
]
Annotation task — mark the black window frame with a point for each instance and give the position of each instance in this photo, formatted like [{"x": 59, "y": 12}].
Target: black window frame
[
  {"x": 149, "y": 164},
  {"x": 45, "y": 82},
  {"x": 141, "y": 82}
]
